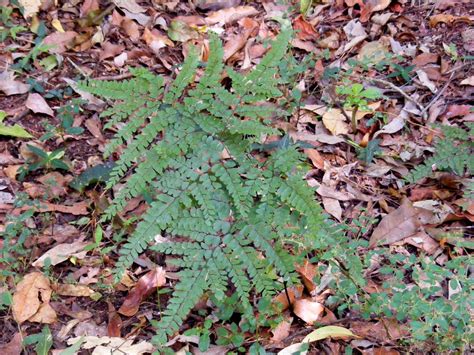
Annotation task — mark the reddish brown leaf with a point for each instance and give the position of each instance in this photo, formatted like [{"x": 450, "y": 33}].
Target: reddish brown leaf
[
  {"x": 145, "y": 286},
  {"x": 304, "y": 30},
  {"x": 308, "y": 272},
  {"x": 308, "y": 310}
]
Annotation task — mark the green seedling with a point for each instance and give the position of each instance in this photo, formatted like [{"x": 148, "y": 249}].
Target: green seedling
[
  {"x": 43, "y": 160},
  {"x": 66, "y": 116},
  {"x": 355, "y": 99}
]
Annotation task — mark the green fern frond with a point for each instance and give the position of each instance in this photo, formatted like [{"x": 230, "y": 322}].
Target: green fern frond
[{"x": 228, "y": 217}]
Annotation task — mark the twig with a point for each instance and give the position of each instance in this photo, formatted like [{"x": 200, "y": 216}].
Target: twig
[{"x": 400, "y": 91}]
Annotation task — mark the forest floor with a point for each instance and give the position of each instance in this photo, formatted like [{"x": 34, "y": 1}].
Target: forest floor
[{"x": 418, "y": 54}]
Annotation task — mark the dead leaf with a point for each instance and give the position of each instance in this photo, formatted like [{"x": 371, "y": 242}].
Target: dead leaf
[
  {"x": 144, "y": 287},
  {"x": 131, "y": 29},
  {"x": 333, "y": 207},
  {"x": 426, "y": 81},
  {"x": 114, "y": 325},
  {"x": 230, "y": 15},
  {"x": 155, "y": 40},
  {"x": 399, "y": 224},
  {"x": 335, "y": 121},
  {"x": 60, "y": 42},
  {"x": 282, "y": 331},
  {"x": 93, "y": 101},
  {"x": 293, "y": 293},
  {"x": 60, "y": 253},
  {"x": 13, "y": 347},
  {"x": 315, "y": 157},
  {"x": 304, "y": 30},
  {"x": 130, "y": 5},
  {"x": 308, "y": 310},
  {"x": 31, "y": 299},
  {"x": 308, "y": 273},
  {"x": 73, "y": 290},
  {"x": 30, "y": 7},
  {"x": 110, "y": 50},
  {"x": 89, "y": 6},
  {"x": 10, "y": 86},
  {"x": 468, "y": 81},
  {"x": 37, "y": 104},
  {"x": 111, "y": 345}
]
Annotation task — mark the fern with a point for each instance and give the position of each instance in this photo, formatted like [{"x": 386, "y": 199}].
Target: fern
[
  {"x": 231, "y": 220},
  {"x": 453, "y": 153}
]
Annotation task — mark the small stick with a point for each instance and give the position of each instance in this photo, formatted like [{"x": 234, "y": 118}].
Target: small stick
[{"x": 400, "y": 91}]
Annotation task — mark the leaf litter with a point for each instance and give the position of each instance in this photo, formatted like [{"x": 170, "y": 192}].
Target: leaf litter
[{"x": 86, "y": 39}]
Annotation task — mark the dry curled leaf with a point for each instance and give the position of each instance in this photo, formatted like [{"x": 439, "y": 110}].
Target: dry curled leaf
[
  {"x": 308, "y": 310},
  {"x": 73, "y": 290},
  {"x": 144, "y": 287}
]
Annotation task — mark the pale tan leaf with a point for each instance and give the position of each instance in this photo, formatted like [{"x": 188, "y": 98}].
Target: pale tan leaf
[
  {"x": 37, "y": 104},
  {"x": 26, "y": 299},
  {"x": 46, "y": 314},
  {"x": 330, "y": 331},
  {"x": 230, "y": 15},
  {"x": 73, "y": 290},
  {"x": 130, "y": 5},
  {"x": 60, "y": 253},
  {"x": 31, "y": 7},
  {"x": 10, "y": 86},
  {"x": 334, "y": 121},
  {"x": 308, "y": 310},
  {"x": 282, "y": 331},
  {"x": 468, "y": 81}
]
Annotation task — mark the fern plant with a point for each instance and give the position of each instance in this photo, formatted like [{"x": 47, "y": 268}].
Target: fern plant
[
  {"x": 230, "y": 217},
  {"x": 453, "y": 153}
]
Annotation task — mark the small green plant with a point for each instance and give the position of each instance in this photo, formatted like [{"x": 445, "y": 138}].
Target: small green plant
[
  {"x": 355, "y": 98},
  {"x": 226, "y": 210},
  {"x": 8, "y": 28},
  {"x": 43, "y": 160},
  {"x": 453, "y": 153},
  {"x": 43, "y": 341},
  {"x": 13, "y": 251},
  {"x": 66, "y": 117}
]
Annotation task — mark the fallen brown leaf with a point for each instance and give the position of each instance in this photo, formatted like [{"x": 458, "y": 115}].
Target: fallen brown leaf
[
  {"x": 304, "y": 30},
  {"x": 282, "y": 331},
  {"x": 10, "y": 86},
  {"x": 13, "y": 347},
  {"x": 60, "y": 42},
  {"x": 144, "y": 287},
  {"x": 60, "y": 253},
  {"x": 399, "y": 224},
  {"x": 308, "y": 310},
  {"x": 31, "y": 298},
  {"x": 230, "y": 15},
  {"x": 73, "y": 290}
]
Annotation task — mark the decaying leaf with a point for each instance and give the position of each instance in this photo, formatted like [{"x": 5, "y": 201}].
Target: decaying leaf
[
  {"x": 331, "y": 331},
  {"x": 112, "y": 345},
  {"x": 10, "y": 86},
  {"x": 308, "y": 310},
  {"x": 399, "y": 224},
  {"x": 73, "y": 290},
  {"x": 37, "y": 104},
  {"x": 31, "y": 299},
  {"x": 230, "y": 15},
  {"x": 60, "y": 253},
  {"x": 31, "y": 7},
  {"x": 144, "y": 287},
  {"x": 335, "y": 121}
]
